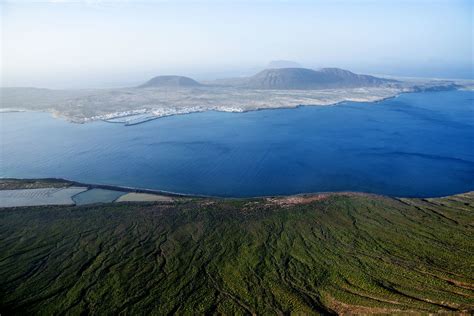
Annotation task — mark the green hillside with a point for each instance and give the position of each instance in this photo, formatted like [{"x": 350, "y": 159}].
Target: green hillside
[{"x": 316, "y": 254}]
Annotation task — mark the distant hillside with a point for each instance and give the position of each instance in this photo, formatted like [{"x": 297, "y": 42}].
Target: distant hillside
[
  {"x": 170, "y": 81},
  {"x": 302, "y": 78},
  {"x": 274, "y": 64}
]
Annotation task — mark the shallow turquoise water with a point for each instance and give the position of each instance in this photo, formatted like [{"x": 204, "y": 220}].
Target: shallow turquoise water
[{"x": 419, "y": 144}]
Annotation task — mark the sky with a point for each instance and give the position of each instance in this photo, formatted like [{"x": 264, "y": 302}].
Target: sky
[{"x": 86, "y": 44}]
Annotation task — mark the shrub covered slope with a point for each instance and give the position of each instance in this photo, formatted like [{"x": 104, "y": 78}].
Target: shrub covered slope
[{"x": 321, "y": 254}]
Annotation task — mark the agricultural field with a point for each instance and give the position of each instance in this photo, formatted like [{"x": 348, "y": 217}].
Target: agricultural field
[
  {"x": 143, "y": 197},
  {"x": 315, "y": 254},
  {"x": 35, "y": 192},
  {"x": 40, "y": 196},
  {"x": 93, "y": 196}
]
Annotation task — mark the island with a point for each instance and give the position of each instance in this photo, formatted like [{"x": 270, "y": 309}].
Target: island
[{"x": 171, "y": 95}]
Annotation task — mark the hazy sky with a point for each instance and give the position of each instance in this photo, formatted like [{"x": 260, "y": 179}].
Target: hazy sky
[{"x": 113, "y": 43}]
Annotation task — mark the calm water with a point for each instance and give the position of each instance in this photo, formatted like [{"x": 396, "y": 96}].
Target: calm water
[{"x": 414, "y": 145}]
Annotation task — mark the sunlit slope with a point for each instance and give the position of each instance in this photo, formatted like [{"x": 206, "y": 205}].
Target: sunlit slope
[{"x": 318, "y": 254}]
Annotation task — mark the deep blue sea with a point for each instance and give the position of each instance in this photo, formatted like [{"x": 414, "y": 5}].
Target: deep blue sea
[{"x": 417, "y": 144}]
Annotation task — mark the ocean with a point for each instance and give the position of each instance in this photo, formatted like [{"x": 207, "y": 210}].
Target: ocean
[{"x": 414, "y": 145}]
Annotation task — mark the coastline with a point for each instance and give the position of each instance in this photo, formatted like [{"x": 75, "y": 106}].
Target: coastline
[
  {"x": 272, "y": 100},
  {"x": 131, "y": 189},
  {"x": 152, "y": 115},
  {"x": 368, "y": 100}
]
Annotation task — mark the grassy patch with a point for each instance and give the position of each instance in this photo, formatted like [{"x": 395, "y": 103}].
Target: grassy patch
[{"x": 15, "y": 184}]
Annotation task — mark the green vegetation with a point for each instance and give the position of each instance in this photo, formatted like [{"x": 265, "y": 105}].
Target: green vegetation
[
  {"x": 15, "y": 184},
  {"x": 315, "y": 254}
]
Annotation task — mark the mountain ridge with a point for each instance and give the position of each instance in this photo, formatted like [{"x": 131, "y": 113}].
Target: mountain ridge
[
  {"x": 309, "y": 79},
  {"x": 295, "y": 78}
]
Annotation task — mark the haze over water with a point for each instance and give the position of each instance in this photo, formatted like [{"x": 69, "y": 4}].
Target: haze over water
[
  {"x": 118, "y": 43},
  {"x": 418, "y": 144}
]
